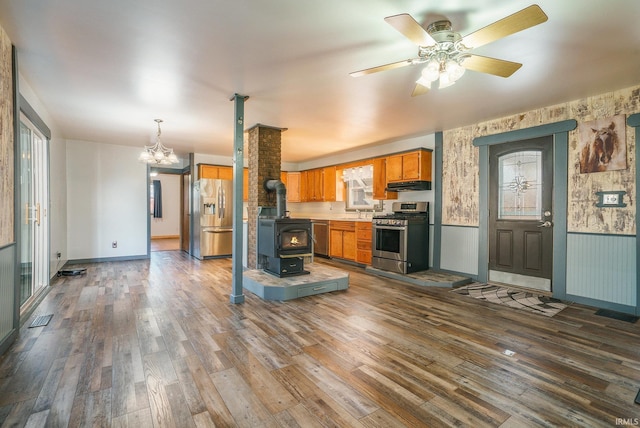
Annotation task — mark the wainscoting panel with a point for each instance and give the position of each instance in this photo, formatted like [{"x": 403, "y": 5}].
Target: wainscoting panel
[
  {"x": 459, "y": 249},
  {"x": 602, "y": 267},
  {"x": 7, "y": 289}
]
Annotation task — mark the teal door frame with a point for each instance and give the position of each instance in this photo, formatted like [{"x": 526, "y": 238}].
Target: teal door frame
[
  {"x": 560, "y": 133},
  {"x": 634, "y": 121}
]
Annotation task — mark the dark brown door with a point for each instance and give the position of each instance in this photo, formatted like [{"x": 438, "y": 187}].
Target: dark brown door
[{"x": 521, "y": 213}]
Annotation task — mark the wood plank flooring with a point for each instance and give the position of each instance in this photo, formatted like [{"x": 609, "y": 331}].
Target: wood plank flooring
[{"x": 156, "y": 343}]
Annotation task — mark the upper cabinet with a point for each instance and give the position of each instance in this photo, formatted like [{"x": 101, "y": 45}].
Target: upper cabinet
[
  {"x": 318, "y": 185},
  {"x": 293, "y": 186},
  {"x": 380, "y": 180},
  {"x": 409, "y": 166},
  {"x": 329, "y": 184},
  {"x": 245, "y": 184},
  {"x": 212, "y": 171}
]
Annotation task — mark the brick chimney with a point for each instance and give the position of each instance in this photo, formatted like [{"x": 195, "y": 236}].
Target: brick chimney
[{"x": 265, "y": 144}]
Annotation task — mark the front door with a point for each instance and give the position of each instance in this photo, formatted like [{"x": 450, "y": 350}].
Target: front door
[{"x": 521, "y": 213}]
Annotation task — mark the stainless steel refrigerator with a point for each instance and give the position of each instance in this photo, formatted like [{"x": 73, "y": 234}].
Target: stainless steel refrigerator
[{"x": 214, "y": 207}]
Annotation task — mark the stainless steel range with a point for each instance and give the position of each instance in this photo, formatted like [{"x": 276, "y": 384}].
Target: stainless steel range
[{"x": 401, "y": 239}]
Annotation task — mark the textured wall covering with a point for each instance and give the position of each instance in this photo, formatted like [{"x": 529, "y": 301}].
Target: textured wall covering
[
  {"x": 460, "y": 165},
  {"x": 6, "y": 141}
]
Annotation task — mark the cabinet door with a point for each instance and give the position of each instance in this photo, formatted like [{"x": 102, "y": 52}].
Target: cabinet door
[
  {"x": 329, "y": 186},
  {"x": 293, "y": 187},
  {"x": 208, "y": 171},
  {"x": 304, "y": 186},
  {"x": 394, "y": 168},
  {"x": 245, "y": 184},
  {"x": 335, "y": 243},
  {"x": 225, "y": 172},
  {"x": 349, "y": 245},
  {"x": 380, "y": 180},
  {"x": 314, "y": 184},
  {"x": 411, "y": 166}
]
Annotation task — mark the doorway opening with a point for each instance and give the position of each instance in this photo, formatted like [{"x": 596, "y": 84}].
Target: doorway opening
[{"x": 165, "y": 205}]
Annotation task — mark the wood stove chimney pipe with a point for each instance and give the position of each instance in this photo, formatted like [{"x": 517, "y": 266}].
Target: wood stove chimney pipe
[{"x": 281, "y": 196}]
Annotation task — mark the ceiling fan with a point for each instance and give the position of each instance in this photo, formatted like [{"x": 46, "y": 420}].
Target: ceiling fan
[{"x": 447, "y": 54}]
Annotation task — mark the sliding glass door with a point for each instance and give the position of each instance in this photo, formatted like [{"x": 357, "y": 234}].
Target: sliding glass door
[{"x": 34, "y": 198}]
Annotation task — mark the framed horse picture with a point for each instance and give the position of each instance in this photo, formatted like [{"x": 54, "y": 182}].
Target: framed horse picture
[{"x": 603, "y": 145}]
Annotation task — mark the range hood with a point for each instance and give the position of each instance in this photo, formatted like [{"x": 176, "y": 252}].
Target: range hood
[{"x": 403, "y": 186}]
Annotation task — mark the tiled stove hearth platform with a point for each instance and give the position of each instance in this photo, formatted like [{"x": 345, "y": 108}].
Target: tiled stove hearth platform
[{"x": 321, "y": 279}]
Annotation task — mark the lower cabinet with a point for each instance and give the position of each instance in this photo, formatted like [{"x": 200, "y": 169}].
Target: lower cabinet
[
  {"x": 342, "y": 240},
  {"x": 363, "y": 242},
  {"x": 350, "y": 240}
]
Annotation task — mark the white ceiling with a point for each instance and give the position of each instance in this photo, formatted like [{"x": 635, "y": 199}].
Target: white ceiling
[{"x": 106, "y": 69}]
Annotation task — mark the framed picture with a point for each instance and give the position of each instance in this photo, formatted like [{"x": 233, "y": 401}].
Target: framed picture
[{"x": 603, "y": 145}]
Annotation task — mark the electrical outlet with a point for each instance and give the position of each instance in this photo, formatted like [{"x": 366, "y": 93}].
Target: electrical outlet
[{"x": 114, "y": 244}]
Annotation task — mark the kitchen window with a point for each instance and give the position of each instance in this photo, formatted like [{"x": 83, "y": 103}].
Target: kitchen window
[{"x": 359, "y": 183}]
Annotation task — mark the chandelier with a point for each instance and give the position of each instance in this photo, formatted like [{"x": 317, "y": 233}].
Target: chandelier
[
  {"x": 157, "y": 153},
  {"x": 444, "y": 59}
]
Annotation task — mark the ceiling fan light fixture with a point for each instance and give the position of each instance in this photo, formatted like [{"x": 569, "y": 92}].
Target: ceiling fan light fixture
[
  {"x": 454, "y": 70},
  {"x": 432, "y": 71},
  {"x": 445, "y": 81}
]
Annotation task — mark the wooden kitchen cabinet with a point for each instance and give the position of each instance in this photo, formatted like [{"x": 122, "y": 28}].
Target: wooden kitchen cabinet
[
  {"x": 245, "y": 184},
  {"x": 363, "y": 242},
  {"x": 414, "y": 165},
  {"x": 315, "y": 185},
  {"x": 342, "y": 239},
  {"x": 329, "y": 184},
  {"x": 380, "y": 180},
  {"x": 293, "y": 187},
  {"x": 213, "y": 171},
  {"x": 304, "y": 186}
]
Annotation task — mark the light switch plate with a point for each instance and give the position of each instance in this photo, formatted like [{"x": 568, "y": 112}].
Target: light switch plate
[{"x": 611, "y": 199}]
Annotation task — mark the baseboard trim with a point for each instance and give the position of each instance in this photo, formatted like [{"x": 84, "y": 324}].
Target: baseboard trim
[{"x": 107, "y": 259}]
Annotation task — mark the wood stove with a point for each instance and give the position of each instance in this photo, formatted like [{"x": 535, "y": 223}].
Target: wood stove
[{"x": 283, "y": 242}]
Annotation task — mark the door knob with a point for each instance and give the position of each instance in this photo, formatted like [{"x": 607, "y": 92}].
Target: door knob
[{"x": 545, "y": 224}]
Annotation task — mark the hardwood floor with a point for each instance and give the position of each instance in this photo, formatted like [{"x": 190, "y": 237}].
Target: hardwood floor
[
  {"x": 165, "y": 244},
  {"x": 157, "y": 343}
]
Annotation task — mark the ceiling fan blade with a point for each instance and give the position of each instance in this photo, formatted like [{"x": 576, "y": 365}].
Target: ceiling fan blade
[
  {"x": 382, "y": 68},
  {"x": 419, "y": 90},
  {"x": 408, "y": 27},
  {"x": 526, "y": 18},
  {"x": 497, "y": 67}
]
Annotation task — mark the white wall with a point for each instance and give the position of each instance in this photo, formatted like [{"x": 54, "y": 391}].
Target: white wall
[
  {"x": 169, "y": 224},
  {"x": 106, "y": 201}
]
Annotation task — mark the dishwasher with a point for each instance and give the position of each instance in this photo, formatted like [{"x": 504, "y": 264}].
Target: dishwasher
[{"x": 321, "y": 238}]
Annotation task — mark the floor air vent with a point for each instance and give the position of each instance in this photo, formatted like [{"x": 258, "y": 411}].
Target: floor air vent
[
  {"x": 617, "y": 315},
  {"x": 41, "y": 321}
]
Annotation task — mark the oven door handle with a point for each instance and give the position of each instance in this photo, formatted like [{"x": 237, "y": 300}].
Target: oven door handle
[{"x": 390, "y": 227}]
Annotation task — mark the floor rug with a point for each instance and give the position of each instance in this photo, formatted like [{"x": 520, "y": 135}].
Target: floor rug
[
  {"x": 617, "y": 315},
  {"x": 513, "y": 298}
]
